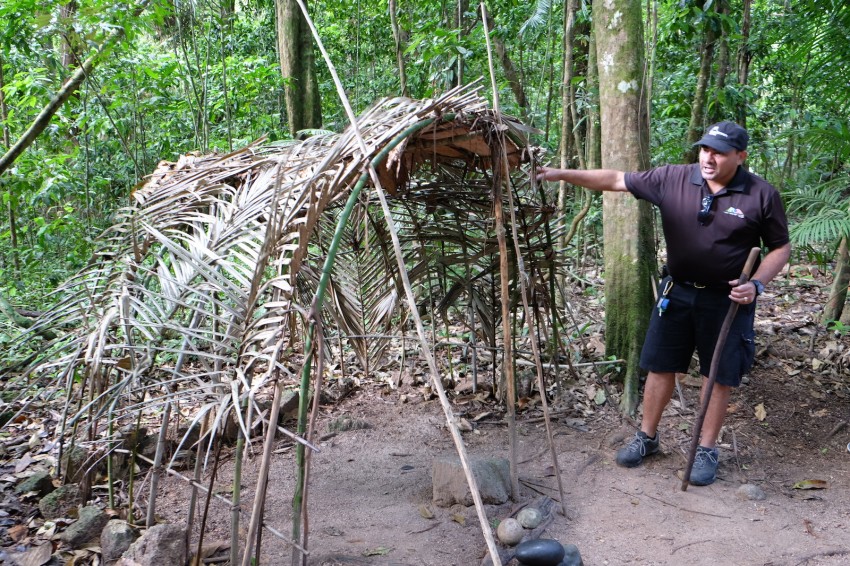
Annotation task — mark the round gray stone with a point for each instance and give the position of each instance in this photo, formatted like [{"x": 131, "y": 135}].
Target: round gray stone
[
  {"x": 572, "y": 557},
  {"x": 750, "y": 492}
]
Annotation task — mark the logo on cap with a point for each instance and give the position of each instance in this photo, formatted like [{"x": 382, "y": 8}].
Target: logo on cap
[{"x": 715, "y": 131}]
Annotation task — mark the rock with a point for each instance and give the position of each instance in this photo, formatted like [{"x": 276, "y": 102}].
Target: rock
[
  {"x": 346, "y": 422},
  {"x": 74, "y": 458},
  {"x": 750, "y": 492},
  {"x": 540, "y": 552},
  {"x": 449, "y": 481},
  {"x": 510, "y": 532},
  {"x": 60, "y": 502},
  {"x": 572, "y": 557},
  {"x": 530, "y": 517},
  {"x": 115, "y": 539},
  {"x": 88, "y": 526},
  {"x": 162, "y": 544},
  {"x": 39, "y": 482}
]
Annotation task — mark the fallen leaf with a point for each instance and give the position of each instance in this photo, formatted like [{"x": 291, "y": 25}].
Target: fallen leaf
[
  {"x": 23, "y": 463},
  {"x": 35, "y": 556},
  {"x": 811, "y": 484},
  {"x": 18, "y": 532},
  {"x": 600, "y": 397},
  {"x": 425, "y": 512},
  {"x": 761, "y": 413},
  {"x": 379, "y": 551},
  {"x": 809, "y": 527},
  {"x": 459, "y": 519},
  {"x": 47, "y": 530},
  {"x": 211, "y": 548}
]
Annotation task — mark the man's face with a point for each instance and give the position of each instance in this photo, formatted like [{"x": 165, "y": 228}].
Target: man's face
[{"x": 719, "y": 167}]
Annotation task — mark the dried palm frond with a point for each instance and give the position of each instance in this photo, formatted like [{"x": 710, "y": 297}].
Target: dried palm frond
[{"x": 196, "y": 289}]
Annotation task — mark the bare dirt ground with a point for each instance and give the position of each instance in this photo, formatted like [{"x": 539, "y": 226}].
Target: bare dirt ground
[
  {"x": 370, "y": 492},
  {"x": 370, "y": 489}
]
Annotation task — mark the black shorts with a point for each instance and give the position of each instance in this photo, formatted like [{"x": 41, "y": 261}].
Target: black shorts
[{"x": 692, "y": 320}]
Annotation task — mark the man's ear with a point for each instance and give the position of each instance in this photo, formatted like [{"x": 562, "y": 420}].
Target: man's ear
[{"x": 742, "y": 156}]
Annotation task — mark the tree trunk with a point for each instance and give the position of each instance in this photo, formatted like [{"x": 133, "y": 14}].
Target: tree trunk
[
  {"x": 10, "y": 201},
  {"x": 695, "y": 126},
  {"x": 508, "y": 67},
  {"x": 627, "y": 230},
  {"x": 834, "y": 306},
  {"x": 717, "y": 112},
  {"x": 399, "y": 48},
  {"x": 652, "y": 17},
  {"x": 744, "y": 58},
  {"x": 298, "y": 67}
]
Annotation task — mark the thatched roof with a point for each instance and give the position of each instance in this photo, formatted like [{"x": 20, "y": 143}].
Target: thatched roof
[
  {"x": 212, "y": 270},
  {"x": 201, "y": 286}
]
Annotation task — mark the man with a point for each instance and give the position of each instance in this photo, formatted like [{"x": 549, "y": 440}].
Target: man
[{"x": 713, "y": 213}]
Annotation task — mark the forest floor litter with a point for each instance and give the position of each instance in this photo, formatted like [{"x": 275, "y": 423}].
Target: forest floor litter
[{"x": 785, "y": 441}]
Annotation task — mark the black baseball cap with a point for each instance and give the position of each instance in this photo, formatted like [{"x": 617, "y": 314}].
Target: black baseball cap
[{"x": 724, "y": 137}]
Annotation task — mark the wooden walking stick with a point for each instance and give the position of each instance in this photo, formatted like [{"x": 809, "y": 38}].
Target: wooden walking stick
[{"x": 715, "y": 361}]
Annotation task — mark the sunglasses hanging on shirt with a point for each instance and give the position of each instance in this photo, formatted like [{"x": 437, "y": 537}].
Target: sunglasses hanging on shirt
[{"x": 705, "y": 212}]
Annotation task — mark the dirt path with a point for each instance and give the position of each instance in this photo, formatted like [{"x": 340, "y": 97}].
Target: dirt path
[{"x": 368, "y": 487}]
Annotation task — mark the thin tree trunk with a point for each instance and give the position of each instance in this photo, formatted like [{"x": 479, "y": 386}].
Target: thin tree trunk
[
  {"x": 695, "y": 126},
  {"x": 511, "y": 73},
  {"x": 652, "y": 45},
  {"x": 629, "y": 246},
  {"x": 298, "y": 67},
  {"x": 744, "y": 57},
  {"x": 567, "y": 104},
  {"x": 717, "y": 111},
  {"x": 834, "y": 307},
  {"x": 399, "y": 48},
  {"x": 10, "y": 201}
]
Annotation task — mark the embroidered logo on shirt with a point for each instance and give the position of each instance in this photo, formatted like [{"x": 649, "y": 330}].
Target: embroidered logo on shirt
[{"x": 734, "y": 212}]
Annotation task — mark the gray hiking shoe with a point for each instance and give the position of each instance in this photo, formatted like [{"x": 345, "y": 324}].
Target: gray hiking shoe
[
  {"x": 704, "y": 471},
  {"x": 635, "y": 451}
]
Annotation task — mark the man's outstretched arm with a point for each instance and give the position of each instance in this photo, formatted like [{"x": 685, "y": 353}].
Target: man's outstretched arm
[{"x": 593, "y": 179}]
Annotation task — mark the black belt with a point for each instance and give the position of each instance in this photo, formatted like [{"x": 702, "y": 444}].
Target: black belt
[{"x": 712, "y": 286}]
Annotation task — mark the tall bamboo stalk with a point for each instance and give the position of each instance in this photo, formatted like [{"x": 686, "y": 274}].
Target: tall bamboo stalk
[{"x": 504, "y": 278}]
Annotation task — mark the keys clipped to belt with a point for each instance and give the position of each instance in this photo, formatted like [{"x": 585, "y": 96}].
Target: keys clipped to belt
[{"x": 663, "y": 301}]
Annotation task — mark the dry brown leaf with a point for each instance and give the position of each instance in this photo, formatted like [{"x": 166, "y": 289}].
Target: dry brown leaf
[
  {"x": 809, "y": 527},
  {"x": 459, "y": 519},
  {"x": 36, "y": 556},
  {"x": 23, "y": 463},
  {"x": 18, "y": 532},
  {"x": 811, "y": 484},
  {"x": 425, "y": 512},
  {"x": 760, "y": 412}
]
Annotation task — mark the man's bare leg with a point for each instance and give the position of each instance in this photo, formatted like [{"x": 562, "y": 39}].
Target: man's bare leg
[
  {"x": 656, "y": 394},
  {"x": 715, "y": 414}
]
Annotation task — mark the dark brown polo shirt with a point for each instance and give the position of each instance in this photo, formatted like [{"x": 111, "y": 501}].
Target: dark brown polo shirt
[{"x": 747, "y": 213}]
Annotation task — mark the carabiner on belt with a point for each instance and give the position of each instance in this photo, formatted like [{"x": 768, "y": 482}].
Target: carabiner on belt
[{"x": 663, "y": 301}]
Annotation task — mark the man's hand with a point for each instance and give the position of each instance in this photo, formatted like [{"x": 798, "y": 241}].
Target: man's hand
[
  {"x": 742, "y": 294},
  {"x": 593, "y": 179},
  {"x": 547, "y": 174}
]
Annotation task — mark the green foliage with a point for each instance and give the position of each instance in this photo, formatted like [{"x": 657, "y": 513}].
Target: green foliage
[{"x": 190, "y": 77}]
